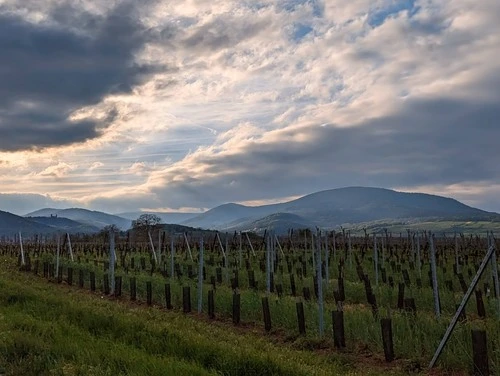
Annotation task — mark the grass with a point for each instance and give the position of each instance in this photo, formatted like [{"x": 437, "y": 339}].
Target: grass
[
  {"x": 415, "y": 338},
  {"x": 48, "y": 329}
]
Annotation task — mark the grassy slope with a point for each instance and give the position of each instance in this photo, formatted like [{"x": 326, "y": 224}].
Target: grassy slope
[
  {"x": 437, "y": 227},
  {"x": 48, "y": 329}
]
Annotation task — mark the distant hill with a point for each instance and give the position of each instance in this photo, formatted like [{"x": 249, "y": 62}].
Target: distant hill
[
  {"x": 173, "y": 218},
  {"x": 11, "y": 224},
  {"x": 331, "y": 208},
  {"x": 66, "y": 225},
  {"x": 89, "y": 217},
  {"x": 280, "y": 223},
  {"x": 223, "y": 215}
]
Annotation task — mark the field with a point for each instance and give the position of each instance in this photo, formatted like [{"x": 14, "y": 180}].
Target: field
[{"x": 66, "y": 317}]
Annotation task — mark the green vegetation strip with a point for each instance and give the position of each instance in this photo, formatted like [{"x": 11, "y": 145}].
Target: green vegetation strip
[{"x": 51, "y": 330}]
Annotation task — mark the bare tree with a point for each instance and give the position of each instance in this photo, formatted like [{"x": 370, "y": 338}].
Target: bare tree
[
  {"x": 145, "y": 225},
  {"x": 146, "y": 221}
]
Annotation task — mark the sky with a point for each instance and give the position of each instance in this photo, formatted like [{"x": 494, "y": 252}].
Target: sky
[{"x": 185, "y": 105}]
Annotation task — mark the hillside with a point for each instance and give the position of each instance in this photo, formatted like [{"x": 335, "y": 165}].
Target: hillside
[
  {"x": 11, "y": 224},
  {"x": 224, "y": 215},
  {"x": 89, "y": 217},
  {"x": 65, "y": 224},
  {"x": 280, "y": 223},
  {"x": 331, "y": 208}
]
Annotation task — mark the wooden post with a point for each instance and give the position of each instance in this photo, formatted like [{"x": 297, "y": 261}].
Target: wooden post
[
  {"x": 105, "y": 283},
  {"x": 338, "y": 328},
  {"x": 57, "y": 255},
  {"x": 316, "y": 248},
  {"x": 133, "y": 289},
  {"x": 200, "y": 275},
  {"x": 481, "y": 311},
  {"x": 92, "y": 281},
  {"x": 211, "y": 304},
  {"x": 149, "y": 293},
  {"x": 306, "y": 293},
  {"x": 480, "y": 353},
  {"x": 168, "y": 296},
  {"x": 251, "y": 279},
  {"x": 81, "y": 278},
  {"x": 292, "y": 285},
  {"x": 266, "y": 313},
  {"x": 401, "y": 295},
  {"x": 375, "y": 258},
  {"x": 118, "y": 285},
  {"x": 386, "y": 325},
  {"x": 341, "y": 289},
  {"x": 236, "y": 308},
  {"x": 268, "y": 266},
  {"x": 70, "y": 276},
  {"x": 186, "y": 299},
  {"x": 435, "y": 288},
  {"x": 112, "y": 259},
  {"x": 300, "y": 318}
]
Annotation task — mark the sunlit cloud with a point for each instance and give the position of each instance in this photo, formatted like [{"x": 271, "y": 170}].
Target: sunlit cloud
[{"x": 172, "y": 105}]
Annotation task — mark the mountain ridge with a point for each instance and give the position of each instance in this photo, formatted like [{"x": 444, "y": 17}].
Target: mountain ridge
[
  {"x": 327, "y": 209},
  {"x": 334, "y": 207},
  {"x": 88, "y": 217}
]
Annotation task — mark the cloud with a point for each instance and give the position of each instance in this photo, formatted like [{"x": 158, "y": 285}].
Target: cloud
[
  {"x": 205, "y": 102},
  {"x": 428, "y": 142},
  {"x": 96, "y": 165},
  {"x": 51, "y": 68},
  {"x": 57, "y": 171},
  {"x": 22, "y": 204}
]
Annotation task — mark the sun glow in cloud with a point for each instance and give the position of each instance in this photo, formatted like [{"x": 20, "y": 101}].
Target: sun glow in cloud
[{"x": 125, "y": 105}]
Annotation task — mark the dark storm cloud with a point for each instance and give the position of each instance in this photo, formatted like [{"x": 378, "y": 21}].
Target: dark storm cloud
[{"x": 49, "y": 70}]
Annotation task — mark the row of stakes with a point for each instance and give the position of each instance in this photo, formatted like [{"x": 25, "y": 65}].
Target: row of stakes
[{"x": 479, "y": 339}]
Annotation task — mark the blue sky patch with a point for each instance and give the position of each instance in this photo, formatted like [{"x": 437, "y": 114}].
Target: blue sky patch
[
  {"x": 290, "y": 6},
  {"x": 378, "y": 16},
  {"x": 300, "y": 31}
]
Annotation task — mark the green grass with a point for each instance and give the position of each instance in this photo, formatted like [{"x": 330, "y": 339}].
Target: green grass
[
  {"x": 437, "y": 226},
  {"x": 415, "y": 338},
  {"x": 48, "y": 329}
]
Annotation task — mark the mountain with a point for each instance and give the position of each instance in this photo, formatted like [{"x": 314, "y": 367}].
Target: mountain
[
  {"x": 171, "y": 218},
  {"x": 65, "y": 225},
  {"x": 89, "y": 217},
  {"x": 331, "y": 208},
  {"x": 46, "y": 212},
  {"x": 225, "y": 215},
  {"x": 280, "y": 223},
  {"x": 11, "y": 224}
]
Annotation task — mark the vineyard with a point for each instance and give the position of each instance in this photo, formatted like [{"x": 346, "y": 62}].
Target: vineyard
[{"x": 383, "y": 297}]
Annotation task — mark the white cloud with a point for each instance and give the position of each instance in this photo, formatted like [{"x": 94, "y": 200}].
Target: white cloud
[
  {"x": 236, "y": 113},
  {"x": 58, "y": 171}
]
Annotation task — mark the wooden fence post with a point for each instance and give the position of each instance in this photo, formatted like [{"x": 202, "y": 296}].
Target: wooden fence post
[
  {"x": 480, "y": 353},
  {"x": 266, "y": 313},
  {"x": 300, "y": 318},
  {"x": 338, "y": 328},
  {"x": 168, "y": 296},
  {"x": 386, "y": 325}
]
